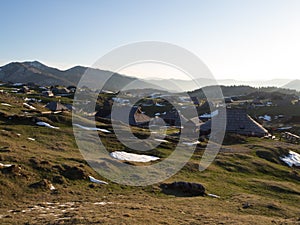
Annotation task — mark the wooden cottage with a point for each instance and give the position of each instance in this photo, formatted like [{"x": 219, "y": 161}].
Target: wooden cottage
[{"x": 238, "y": 122}]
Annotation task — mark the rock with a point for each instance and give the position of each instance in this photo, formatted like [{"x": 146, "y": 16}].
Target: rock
[
  {"x": 184, "y": 188},
  {"x": 73, "y": 173},
  {"x": 5, "y": 150},
  {"x": 295, "y": 175},
  {"x": 246, "y": 205},
  {"x": 41, "y": 165},
  {"x": 58, "y": 179},
  {"x": 43, "y": 184},
  {"x": 12, "y": 169},
  {"x": 92, "y": 186}
]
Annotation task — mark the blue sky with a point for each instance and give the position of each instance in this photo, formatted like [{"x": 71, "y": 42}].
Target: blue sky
[{"x": 243, "y": 40}]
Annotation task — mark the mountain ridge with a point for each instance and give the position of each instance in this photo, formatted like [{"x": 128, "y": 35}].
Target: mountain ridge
[
  {"x": 41, "y": 74},
  {"x": 38, "y": 73}
]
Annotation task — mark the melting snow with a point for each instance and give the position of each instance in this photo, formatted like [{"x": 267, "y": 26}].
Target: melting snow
[
  {"x": 51, "y": 187},
  {"x": 91, "y": 128},
  {"x": 120, "y": 155},
  {"x": 191, "y": 143},
  {"x": 266, "y": 118},
  {"x": 94, "y": 180},
  {"x": 102, "y": 203},
  {"x": 6, "y": 104},
  {"x": 5, "y": 165},
  {"x": 292, "y": 159},
  {"x": 161, "y": 140},
  {"x": 28, "y": 106},
  {"x": 213, "y": 195},
  {"x": 31, "y": 139},
  {"x": 46, "y": 125}
]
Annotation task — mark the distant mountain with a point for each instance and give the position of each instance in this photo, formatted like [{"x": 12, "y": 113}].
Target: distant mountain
[
  {"x": 257, "y": 83},
  {"x": 295, "y": 84},
  {"x": 188, "y": 85},
  {"x": 239, "y": 91},
  {"x": 38, "y": 73}
]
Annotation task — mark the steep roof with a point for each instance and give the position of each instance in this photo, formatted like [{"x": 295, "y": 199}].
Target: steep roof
[
  {"x": 140, "y": 117},
  {"x": 136, "y": 116},
  {"x": 239, "y": 122},
  {"x": 174, "y": 118}
]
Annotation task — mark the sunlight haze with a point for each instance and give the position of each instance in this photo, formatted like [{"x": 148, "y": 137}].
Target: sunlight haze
[{"x": 243, "y": 40}]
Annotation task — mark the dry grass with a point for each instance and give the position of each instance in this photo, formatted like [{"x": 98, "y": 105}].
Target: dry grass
[{"x": 254, "y": 187}]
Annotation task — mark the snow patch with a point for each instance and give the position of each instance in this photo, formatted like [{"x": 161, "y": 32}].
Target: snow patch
[
  {"x": 91, "y": 128},
  {"x": 5, "y": 165},
  {"x": 6, "y": 104},
  {"x": 46, "y": 125},
  {"x": 94, "y": 180},
  {"x": 26, "y": 105},
  {"x": 191, "y": 143},
  {"x": 51, "y": 187},
  {"x": 161, "y": 140},
  {"x": 292, "y": 159},
  {"x": 266, "y": 118},
  {"x": 213, "y": 195},
  {"x": 102, "y": 203},
  {"x": 120, "y": 155}
]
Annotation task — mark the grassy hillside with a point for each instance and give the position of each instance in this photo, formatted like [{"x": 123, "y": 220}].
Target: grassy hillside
[{"x": 254, "y": 186}]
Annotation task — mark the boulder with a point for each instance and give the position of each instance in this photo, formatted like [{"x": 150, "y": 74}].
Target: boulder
[
  {"x": 11, "y": 169},
  {"x": 43, "y": 184},
  {"x": 73, "y": 173},
  {"x": 183, "y": 188}
]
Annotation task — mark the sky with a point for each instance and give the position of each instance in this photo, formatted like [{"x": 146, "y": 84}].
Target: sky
[{"x": 243, "y": 40}]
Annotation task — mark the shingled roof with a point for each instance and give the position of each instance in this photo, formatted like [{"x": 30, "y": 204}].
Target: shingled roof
[{"x": 239, "y": 122}]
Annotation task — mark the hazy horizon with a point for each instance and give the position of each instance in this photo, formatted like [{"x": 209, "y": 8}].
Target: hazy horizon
[{"x": 138, "y": 74}]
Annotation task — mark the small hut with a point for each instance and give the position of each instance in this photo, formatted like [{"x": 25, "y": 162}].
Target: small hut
[
  {"x": 136, "y": 116},
  {"x": 174, "y": 118}
]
